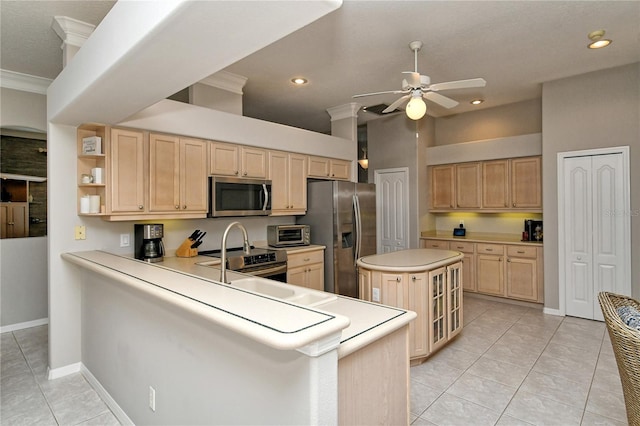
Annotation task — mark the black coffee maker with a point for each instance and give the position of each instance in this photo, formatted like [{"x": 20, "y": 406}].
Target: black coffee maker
[{"x": 148, "y": 242}]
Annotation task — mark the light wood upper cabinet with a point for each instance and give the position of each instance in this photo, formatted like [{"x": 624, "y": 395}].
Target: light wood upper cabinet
[
  {"x": 526, "y": 183},
  {"x": 443, "y": 187},
  {"x": 329, "y": 168},
  {"x": 177, "y": 174},
  {"x": 288, "y": 176},
  {"x": 495, "y": 184},
  {"x": 127, "y": 172},
  {"x": 237, "y": 160},
  {"x": 468, "y": 185}
]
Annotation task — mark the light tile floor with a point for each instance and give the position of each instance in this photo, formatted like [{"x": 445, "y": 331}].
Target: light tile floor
[
  {"x": 511, "y": 365},
  {"x": 514, "y": 365},
  {"x": 28, "y": 398}
]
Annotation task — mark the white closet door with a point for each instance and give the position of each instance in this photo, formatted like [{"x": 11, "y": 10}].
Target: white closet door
[
  {"x": 595, "y": 232},
  {"x": 392, "y": 194}
]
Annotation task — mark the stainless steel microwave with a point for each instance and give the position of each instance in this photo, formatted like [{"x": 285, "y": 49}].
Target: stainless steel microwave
[
  {"x": 230, "y": 196},
  {"x": 288, "y": 235}
]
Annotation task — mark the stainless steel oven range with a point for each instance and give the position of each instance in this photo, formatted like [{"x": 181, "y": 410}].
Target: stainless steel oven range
[{"x": 266, "y": 263}]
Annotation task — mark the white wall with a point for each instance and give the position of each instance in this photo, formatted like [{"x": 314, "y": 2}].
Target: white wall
[
  {"x": 23, "y": 280},
  {"x": 594, "y": 110}
]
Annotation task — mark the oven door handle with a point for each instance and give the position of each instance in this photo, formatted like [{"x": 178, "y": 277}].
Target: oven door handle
[{"x": 267, "y": 271}]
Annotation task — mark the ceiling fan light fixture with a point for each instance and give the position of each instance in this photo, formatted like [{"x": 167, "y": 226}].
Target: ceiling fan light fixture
[
  {"x": 597, "y": 42},
  {"x": 416, "y": 108}
]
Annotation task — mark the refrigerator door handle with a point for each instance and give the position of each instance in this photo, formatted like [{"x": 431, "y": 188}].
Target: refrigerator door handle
[{"x": 358, "y": 228}]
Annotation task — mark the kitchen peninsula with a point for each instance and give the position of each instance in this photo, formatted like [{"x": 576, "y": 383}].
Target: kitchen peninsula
[
  {"x": 427, "y": 281},
  {"x": 215, "y": 353}
]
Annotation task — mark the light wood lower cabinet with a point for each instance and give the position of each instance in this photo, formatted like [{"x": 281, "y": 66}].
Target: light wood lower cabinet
[
  {"x": 435, "y": 296},
  {"x": 306, "y": 269},
  {"x": 373, "y": 383},
  {"x": 504, "y": 270}
]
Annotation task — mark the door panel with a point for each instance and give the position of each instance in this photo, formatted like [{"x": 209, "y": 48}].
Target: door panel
[{"x": 392, "y": 194}]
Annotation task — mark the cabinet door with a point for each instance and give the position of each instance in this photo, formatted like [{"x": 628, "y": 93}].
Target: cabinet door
[
  {"x": 438, "y": 310},
  {"x": 468, "y": 185},
  {"x": 164, "y": 173},
  {"x": 455, "y": 280},
  {"x": 254, "y": 162},
  {"x": 364, "y": 284},
  {"x": 522, "y": 278},
  {"x": 318, "y": 167},
  {"x": 193, "y": 175},
  {"x": 418, "y": 288},
  {"x": 279, "y": 181},
  {"x": 393, "y": 290},
  {"x": 298, "y": 182},
  {"x": 442, "y": 187},
  {"x": 526, "y": 183},
  {"x": 436, "y": 244},
  {"x": 127, "y": 171},
  {"x": 490, "y": 276},
  {"x": 297, "y": 276},
  {"x": 14, "y": 218},
  {"x": 315, "y": 276},
  {"x": 495, "y": 184},
  {"x": 4, "y": 220},
  {"x": 340, "y": 169},
  {"x": 469, "y": 273},
  {"x": 224, "y": 159}
]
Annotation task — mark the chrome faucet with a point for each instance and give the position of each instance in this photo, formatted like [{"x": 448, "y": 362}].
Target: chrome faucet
[{"x": 245, "y": 247}]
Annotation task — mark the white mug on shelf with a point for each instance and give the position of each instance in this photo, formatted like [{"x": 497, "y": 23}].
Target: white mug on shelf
[
  {"x": 85, "y": 204},
  {"x": 94, "y": 204}
]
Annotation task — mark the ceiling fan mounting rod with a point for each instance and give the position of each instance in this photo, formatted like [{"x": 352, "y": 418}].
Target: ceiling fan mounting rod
[{"x": 415, "y": 46}]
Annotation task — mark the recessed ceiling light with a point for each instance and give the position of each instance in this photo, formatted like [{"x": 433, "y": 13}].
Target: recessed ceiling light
[
  {"x": 476, "y": 101},
  {"x": 597, "y": 41},
  {"x": 299, "y": 81}
]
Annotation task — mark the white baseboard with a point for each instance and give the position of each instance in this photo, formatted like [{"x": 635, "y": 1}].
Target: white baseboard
[
  {"x": 56, "y": 373},
  {"x": 552, "y": 312},
  {"x": 111, "y": 403},
  {"x": 22, "y": 325}
]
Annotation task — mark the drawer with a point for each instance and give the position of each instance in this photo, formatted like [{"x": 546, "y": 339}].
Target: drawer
[
  {"x": 522, "y": 251},
  {"x": 462, "y": 246},
  {"x": 306, "y": 258},
  {"x": 496, "y": 249},
  {"x": 436, "y": 244}
]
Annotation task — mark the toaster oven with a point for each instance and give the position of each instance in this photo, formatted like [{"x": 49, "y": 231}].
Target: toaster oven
[{"x": 288, "y": 235}]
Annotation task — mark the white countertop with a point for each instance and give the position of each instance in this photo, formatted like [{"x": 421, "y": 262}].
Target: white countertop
[
  {"x": 412, "y": 260},
  {"x": 277, "y": 323}
]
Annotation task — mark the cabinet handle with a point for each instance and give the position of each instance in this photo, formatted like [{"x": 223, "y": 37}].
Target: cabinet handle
[
  {"x": 245, "y": 173},
  {"x": 140, "y": 207},
  {"x": 413, "y": 278},
  {"x": 514, "y": 204},
  {"x": 236, "y": 173},
  {"x": 177, "y": 207},
  {"x": 184, "y": 207},
  {"x": 509, "y": 260},
  {"x": 398, "y": 279},
  {"x": 460, "y": 248},
  {"x": 489, "y": 249},
  {"x": 521, "y": 251},
  {"x": 306, "y": 259}
]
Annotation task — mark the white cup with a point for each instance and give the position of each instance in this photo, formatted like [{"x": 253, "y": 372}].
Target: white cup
[
  {"x": 94, "y": 204},
  {"x": 97, "y": 172},
  {"x": 84, "y": 204}
]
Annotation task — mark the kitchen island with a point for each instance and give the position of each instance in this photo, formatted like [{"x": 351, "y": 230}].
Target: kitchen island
[
  {"x": 213, "y": 353},
  {"x": 426, "y": 281}
]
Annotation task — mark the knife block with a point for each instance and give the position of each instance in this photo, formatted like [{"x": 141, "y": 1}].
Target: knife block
[{"x": 185, "y": 249}]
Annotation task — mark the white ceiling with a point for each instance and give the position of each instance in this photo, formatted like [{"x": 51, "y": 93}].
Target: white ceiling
[{"x": 363, "y": 47}]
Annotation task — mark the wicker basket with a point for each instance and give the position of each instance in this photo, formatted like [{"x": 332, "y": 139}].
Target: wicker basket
[{"x": 626, "y": 346}]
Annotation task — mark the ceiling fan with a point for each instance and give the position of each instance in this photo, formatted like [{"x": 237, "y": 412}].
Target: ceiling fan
[{"x": 416, "y": 86}]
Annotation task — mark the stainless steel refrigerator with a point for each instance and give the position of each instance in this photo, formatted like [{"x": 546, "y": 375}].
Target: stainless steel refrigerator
[{"x": 342, "y": 216}]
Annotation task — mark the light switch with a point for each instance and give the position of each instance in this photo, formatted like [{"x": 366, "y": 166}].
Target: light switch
[
  {"x": 376, "y": 295},
  {"x": 81, "y": 232},
  {"x": 124, "y": 240}
]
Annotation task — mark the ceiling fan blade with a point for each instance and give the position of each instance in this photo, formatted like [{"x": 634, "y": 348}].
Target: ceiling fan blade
[
  {"x": 440, "y": 99},
  {"x": 459, "y": 84},
  {"x": 414, "y": 78},
  {"x": 395, "y": 92},
  {"x": 396, "y": 104}
]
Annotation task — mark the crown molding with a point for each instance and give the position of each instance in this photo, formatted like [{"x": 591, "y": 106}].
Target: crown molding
[
  {"x": 226, "y": 81},
  {"x": 24, "y": 82},
  {"x": 340, "y": 112},
  {"x": 72, "y": 31}
]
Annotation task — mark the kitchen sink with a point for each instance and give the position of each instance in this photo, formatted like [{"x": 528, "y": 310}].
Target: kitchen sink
[{"x": 298, "y": 295}]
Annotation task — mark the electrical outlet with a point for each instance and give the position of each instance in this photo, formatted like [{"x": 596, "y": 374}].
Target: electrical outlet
[
  {"x": 80, "y": 232},
  {"x": 376, "y": 295},
  {"x": 124, "y": 240},
  {"x": 152, "y": 398}
]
